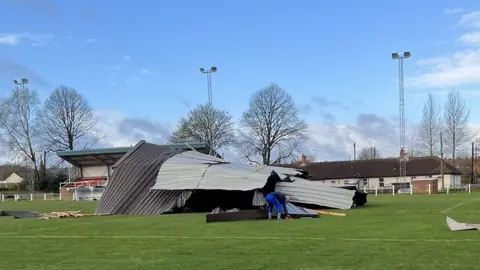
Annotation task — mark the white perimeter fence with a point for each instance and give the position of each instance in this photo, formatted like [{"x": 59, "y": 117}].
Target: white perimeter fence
[
  {"x": 467, "y": 188},
  {"x": 30, "y": 196}
]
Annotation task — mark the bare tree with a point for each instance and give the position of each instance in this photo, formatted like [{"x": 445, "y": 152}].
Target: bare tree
[
  {"x": 430, "y": 126},
  {"x": 67, "y": 120},
  {"x": 18, "y": 114},
  {"x": 270, "y": 126},
  {"x": 368, "y": 153},
  {"x": 208, "y": 124},
  {"x": 456, "y": 130}
]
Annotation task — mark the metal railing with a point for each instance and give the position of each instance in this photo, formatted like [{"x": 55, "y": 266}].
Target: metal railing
[{"x": 427, "y": 189}]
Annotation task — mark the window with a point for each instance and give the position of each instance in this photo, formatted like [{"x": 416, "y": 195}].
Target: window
[
  {"x": 333, "y": 182},
  {"x": 429, "y": 176},
  {"x": 365, "y": 182},
  {"x": 381, "y": 183},
  {"x": 413, "y": 177},
  {"x": 345, "y": 182}
]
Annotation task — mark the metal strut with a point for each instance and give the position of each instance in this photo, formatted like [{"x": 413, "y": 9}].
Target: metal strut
[
  {"x": 403, "y": 161},
  {"x": 209, "y": 82}
]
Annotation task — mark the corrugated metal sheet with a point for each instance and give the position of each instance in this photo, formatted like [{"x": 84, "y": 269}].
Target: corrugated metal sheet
[
  {"x": 309, "y": 192},
  {"x": 128, "y": 191},
  {"x": 190, "y": 171},
  {"x": 258, "y": 198},
  {"x": 294, "y": 210},
  {"x": 279, "y": 170}
]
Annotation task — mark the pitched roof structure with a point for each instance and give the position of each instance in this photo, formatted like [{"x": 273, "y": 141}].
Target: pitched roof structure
[{"x": 357, "y": 169}]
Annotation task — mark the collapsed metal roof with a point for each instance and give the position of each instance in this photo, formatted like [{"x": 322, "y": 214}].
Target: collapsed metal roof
[
  {"x": 153, "y": 179},
  {"x": 193, "y": 170}
]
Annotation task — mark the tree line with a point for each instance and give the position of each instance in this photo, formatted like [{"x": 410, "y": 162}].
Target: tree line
[
  {"x": 440, "y": 128},
  {"x": 269, "y": 131},
  {"x": 32, "y": 129},
  {"x": 448, "y": 129}
]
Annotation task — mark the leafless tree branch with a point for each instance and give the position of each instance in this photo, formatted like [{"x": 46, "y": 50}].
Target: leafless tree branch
[
  {"x": 457, "y": 133},
  {"x": 430, "y": 126},
  {"x": 206, "y": 124},
  {"x": 368, "y": 153},
  {"x": 18, "y": 114},
  {"x": 67, "y": 121},
  {"x": 270, "y": 125}
]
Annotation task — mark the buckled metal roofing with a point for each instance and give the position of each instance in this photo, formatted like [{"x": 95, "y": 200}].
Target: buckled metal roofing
[{"x": 153, "y": 179}]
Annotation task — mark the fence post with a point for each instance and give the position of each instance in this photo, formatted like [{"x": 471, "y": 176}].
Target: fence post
[
  {"x": 44, "y": 196},
  {"x": 365, "y": 189},
  {"x": 448, "y": 189},
  {"x": 376, "y": 191},
  {"x": 3, "y": 197},
  {"x": 411, "y": 189},
  {"x": 31, "y": 196},
  {"x": 429, "y": 189},
  {"x": 15, "y": 197},
  {"x": 469, "y": 188},
  {"x": 393, "y": 190}
]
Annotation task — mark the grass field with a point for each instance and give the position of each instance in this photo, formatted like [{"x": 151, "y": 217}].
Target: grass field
[{"x": 392, "y": 232}]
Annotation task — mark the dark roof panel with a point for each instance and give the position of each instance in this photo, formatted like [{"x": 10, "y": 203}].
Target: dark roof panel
[
  {"x": 128, "y": 191},
  {"x": 374, "y": 168}
]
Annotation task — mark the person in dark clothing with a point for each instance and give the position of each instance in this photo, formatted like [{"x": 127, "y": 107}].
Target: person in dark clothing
[{"x": 278, "y": 200}]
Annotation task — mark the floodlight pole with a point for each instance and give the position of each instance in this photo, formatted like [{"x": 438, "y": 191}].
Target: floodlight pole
[
  {"x": 403, "y": 161},
  {"x": 22, "y": 83},
  {"x": 209, "y": 81}
]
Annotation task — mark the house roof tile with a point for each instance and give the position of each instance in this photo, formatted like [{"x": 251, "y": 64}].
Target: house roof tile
[{"x": 418, "y": 166}]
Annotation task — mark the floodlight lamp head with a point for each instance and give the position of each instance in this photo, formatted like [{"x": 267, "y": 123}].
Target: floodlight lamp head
[
  {"x": 202, "y": 70},
  {"x": 406, "y": 54},
  {"x": 24, "y": 81},
  {"x": 15, "y": 82},
  {"x": 214, "y": 69},
  {"x": 395, "y": 56}
]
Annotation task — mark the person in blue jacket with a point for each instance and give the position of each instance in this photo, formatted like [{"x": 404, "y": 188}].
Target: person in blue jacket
[{"x": 279, "y": 201}]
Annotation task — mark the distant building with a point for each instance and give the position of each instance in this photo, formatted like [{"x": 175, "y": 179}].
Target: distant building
[
  {"x": 12, "y": 179},
  {"x": 381, "y": 173}
]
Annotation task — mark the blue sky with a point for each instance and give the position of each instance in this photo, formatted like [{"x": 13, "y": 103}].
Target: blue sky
[{"x": 141, "y": 59}]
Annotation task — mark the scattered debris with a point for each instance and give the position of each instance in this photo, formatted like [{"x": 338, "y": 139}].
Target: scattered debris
[
  {"x": 261, "y": 213},
  {"x": 322, "y": 212},
  {"x": 217, "y": 210},
  {"x": 453, "y": 225},
  {"x": 68, "y": 214}
]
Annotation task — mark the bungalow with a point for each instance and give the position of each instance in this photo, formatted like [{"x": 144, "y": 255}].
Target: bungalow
[{"x": 381, "y": 173}]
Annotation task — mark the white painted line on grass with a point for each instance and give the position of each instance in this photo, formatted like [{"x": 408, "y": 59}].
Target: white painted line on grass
[
  {"x": 174, "y": 237},
  {"x": 457, "y": 205},
  {"x": 67, "y": 226}
]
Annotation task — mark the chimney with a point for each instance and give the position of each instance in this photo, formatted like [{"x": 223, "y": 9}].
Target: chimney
[{"x": 303, "y": 159}]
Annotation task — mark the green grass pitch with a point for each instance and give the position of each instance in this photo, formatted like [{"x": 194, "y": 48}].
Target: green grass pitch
[{"x": 391, "y": 232}]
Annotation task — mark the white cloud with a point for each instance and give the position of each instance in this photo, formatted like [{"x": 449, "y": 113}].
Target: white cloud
[
  {"x": 471, "y": 20},
  {"x": 453, "y": 69},
  {"x": 132, "y": 80},
  {"x": 90, "y": 40},
  {"x": 121, "y": 130},
  {"x": 13, "y": 39},
  {"x": 452, "y": 10},
  {"x": 145, "y": 71},
  {"x": 127, "y": 57},
  {"x": 472, "y": 38}
]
